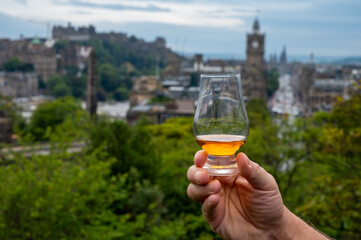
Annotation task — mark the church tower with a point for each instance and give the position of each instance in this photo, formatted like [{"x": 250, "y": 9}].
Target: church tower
[
  {"x": 255, "y": 81},
  {"x": 255, "y": 47}
]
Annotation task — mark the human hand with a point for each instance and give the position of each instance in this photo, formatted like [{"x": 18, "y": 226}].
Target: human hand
[{"x": 244, "y": 206}]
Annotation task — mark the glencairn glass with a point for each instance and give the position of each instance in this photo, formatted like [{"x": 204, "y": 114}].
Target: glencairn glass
[{"x": 220, "y": 124}]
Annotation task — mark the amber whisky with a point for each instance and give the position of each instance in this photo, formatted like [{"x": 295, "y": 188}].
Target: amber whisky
[{"x": 220, "y": 144}]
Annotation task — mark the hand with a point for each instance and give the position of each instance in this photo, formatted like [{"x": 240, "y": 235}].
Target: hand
[{"x": 244, "y": 206}]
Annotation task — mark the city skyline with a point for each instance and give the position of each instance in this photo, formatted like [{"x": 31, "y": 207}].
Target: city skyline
[{"x": 325, "y": 28}]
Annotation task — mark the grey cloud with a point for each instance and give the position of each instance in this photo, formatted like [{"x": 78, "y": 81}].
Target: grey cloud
[{"x": 149, "y": 8}]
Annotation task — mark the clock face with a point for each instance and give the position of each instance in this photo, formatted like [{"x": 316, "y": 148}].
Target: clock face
[{"x": 255, "y": 44}]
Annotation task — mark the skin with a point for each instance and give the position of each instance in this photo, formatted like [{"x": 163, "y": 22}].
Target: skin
[{"x": 244, "y": 206}]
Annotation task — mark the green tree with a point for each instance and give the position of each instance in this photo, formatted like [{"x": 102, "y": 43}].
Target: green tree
[
  {"x": 78, "y": 86},
  {"x": 272, "y": 81},
  {"x": 70, "y": 84},
  {"x": 121, "y": 94},
  {"x": 61, "y": 90},
  {"x": 332, "y": 196},
  {"x": 14, "y": 64},
  {"x": 128, "y": 145},
  {"x": 108, "y": 77},
  {"x": 61, "y": 44},
  {"x": 48, "y": 115},
  {"x": 58, "y": 197},
  {"x": 9, "y": 110},
  {"x": 258, "y": 113}
]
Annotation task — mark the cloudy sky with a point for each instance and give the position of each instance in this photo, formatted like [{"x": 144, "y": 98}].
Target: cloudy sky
[{"x": 323, "y": 27}]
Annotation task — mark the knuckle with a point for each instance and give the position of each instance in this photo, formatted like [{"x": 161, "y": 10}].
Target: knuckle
[
  {"x": 189, "y": 191},
  {"x": 190, "y": 172}
]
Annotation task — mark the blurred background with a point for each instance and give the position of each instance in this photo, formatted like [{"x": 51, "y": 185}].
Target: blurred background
[{"x": 97, "y": 101}]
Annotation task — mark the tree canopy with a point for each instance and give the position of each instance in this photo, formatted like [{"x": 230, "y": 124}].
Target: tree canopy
[{"x": 130, "y": 182}]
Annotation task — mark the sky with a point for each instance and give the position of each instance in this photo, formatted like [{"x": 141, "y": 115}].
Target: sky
[{"x": 329, "y": 28}]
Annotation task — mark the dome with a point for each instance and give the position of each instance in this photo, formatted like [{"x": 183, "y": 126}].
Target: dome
[{"x": 36, "y": 41}]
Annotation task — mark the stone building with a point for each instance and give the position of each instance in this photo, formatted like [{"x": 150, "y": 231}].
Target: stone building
[
  {"x": 144, "y": 88},
  {"x": 156, "y": 48},
  {"x": 70, "y": 33},
  {"x": 159, "y": 113},
  {"x": 324, "y": 93},
  {"x": 32, "y": 51},
  {"x": 5, "y": 50},
  {"x": 319, "y": 87},
  {"x": 18, "y": 84},
  {"x": 305, "y": 74},
  {"x": 253, "y": 79}
]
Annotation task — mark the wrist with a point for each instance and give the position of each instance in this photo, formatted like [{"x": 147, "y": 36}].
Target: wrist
[
  {"x": 294, "y": 228},
  {"x": 286, "y": 228}
]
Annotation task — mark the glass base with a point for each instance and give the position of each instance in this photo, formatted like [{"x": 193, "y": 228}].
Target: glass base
[{"x": 221, "y": 165}]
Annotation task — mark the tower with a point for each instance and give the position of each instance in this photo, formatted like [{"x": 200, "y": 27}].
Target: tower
[
  {"x": 255, "y": 47},
  {"x": 283, "y": 57},
  {"x": 255, "y": 81},
  {"x": 92, "y": 82}
]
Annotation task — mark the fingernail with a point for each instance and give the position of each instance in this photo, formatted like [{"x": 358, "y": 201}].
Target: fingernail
[{"x": 197, "y": 177}]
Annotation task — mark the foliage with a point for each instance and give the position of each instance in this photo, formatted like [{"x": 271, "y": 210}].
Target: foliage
[
  {"x": 60, "y": 90},
  {"x": 14, "y": 64},
  {"x": 68, "y": 85},
  {"x": 130, "y": 182},
  {"x": 119, "y": 62},
  {"x": 11, "y": 111},
  {"x": 121, "y": 94},
  {"x": 48, "y": 115},
  {"x": 258, "y": 113},
  {"x": 160, "y": 99},
  {"x": 53, "y": 198},
  {"x": 108, "y": 77},
  {"x": 61, "y": 44},
  {"x": 332, "y": 200},
  {"x": 272, "y": 81},
  {"x": 128, "y": 145}
]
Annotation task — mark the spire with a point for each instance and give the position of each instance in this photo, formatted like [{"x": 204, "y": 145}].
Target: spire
[
  {"x": 256, "y": 26},
  {"x": 283, "y": 57}
]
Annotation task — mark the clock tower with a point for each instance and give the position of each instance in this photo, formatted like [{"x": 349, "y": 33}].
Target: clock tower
[{"x": 254, "y": 80}]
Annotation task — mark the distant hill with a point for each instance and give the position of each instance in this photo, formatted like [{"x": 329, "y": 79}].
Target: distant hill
[{"x": 348, "y": 61}]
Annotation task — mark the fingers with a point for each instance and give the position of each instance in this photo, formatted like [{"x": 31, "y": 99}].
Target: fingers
[
  {"x": 255, "y": 174},
  {"x": 200, "y": 158},
  {"x": 200, "y": 193},
  {"x": 210, "y": 209},
  {"x": 198, "y": 175}
]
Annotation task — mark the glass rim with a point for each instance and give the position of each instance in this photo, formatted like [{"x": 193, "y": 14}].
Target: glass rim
[{"x": 220, "y": 75}]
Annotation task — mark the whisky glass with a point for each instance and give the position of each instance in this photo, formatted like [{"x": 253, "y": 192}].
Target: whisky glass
[{"x": 220, "y": 124}]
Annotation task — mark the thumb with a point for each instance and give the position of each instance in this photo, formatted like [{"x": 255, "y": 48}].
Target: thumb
[{"x": 258, "y": 177}]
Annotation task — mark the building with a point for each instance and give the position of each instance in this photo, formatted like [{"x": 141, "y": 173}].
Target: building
[
  {"x": 318, "y": 87},
  {"x": 159, "y": 113},
  {"x": 34, "y": 51},
  {"x": 70, "y": 33},
  {"x": 253, "y": 79},
  {"x": 156, "y": 49},
  {"x": 324, "y": 93},
  {"x": 283, "y": 57},
  {"x": 144, "y": 88},
  {"x": 18, "y": 84}
]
